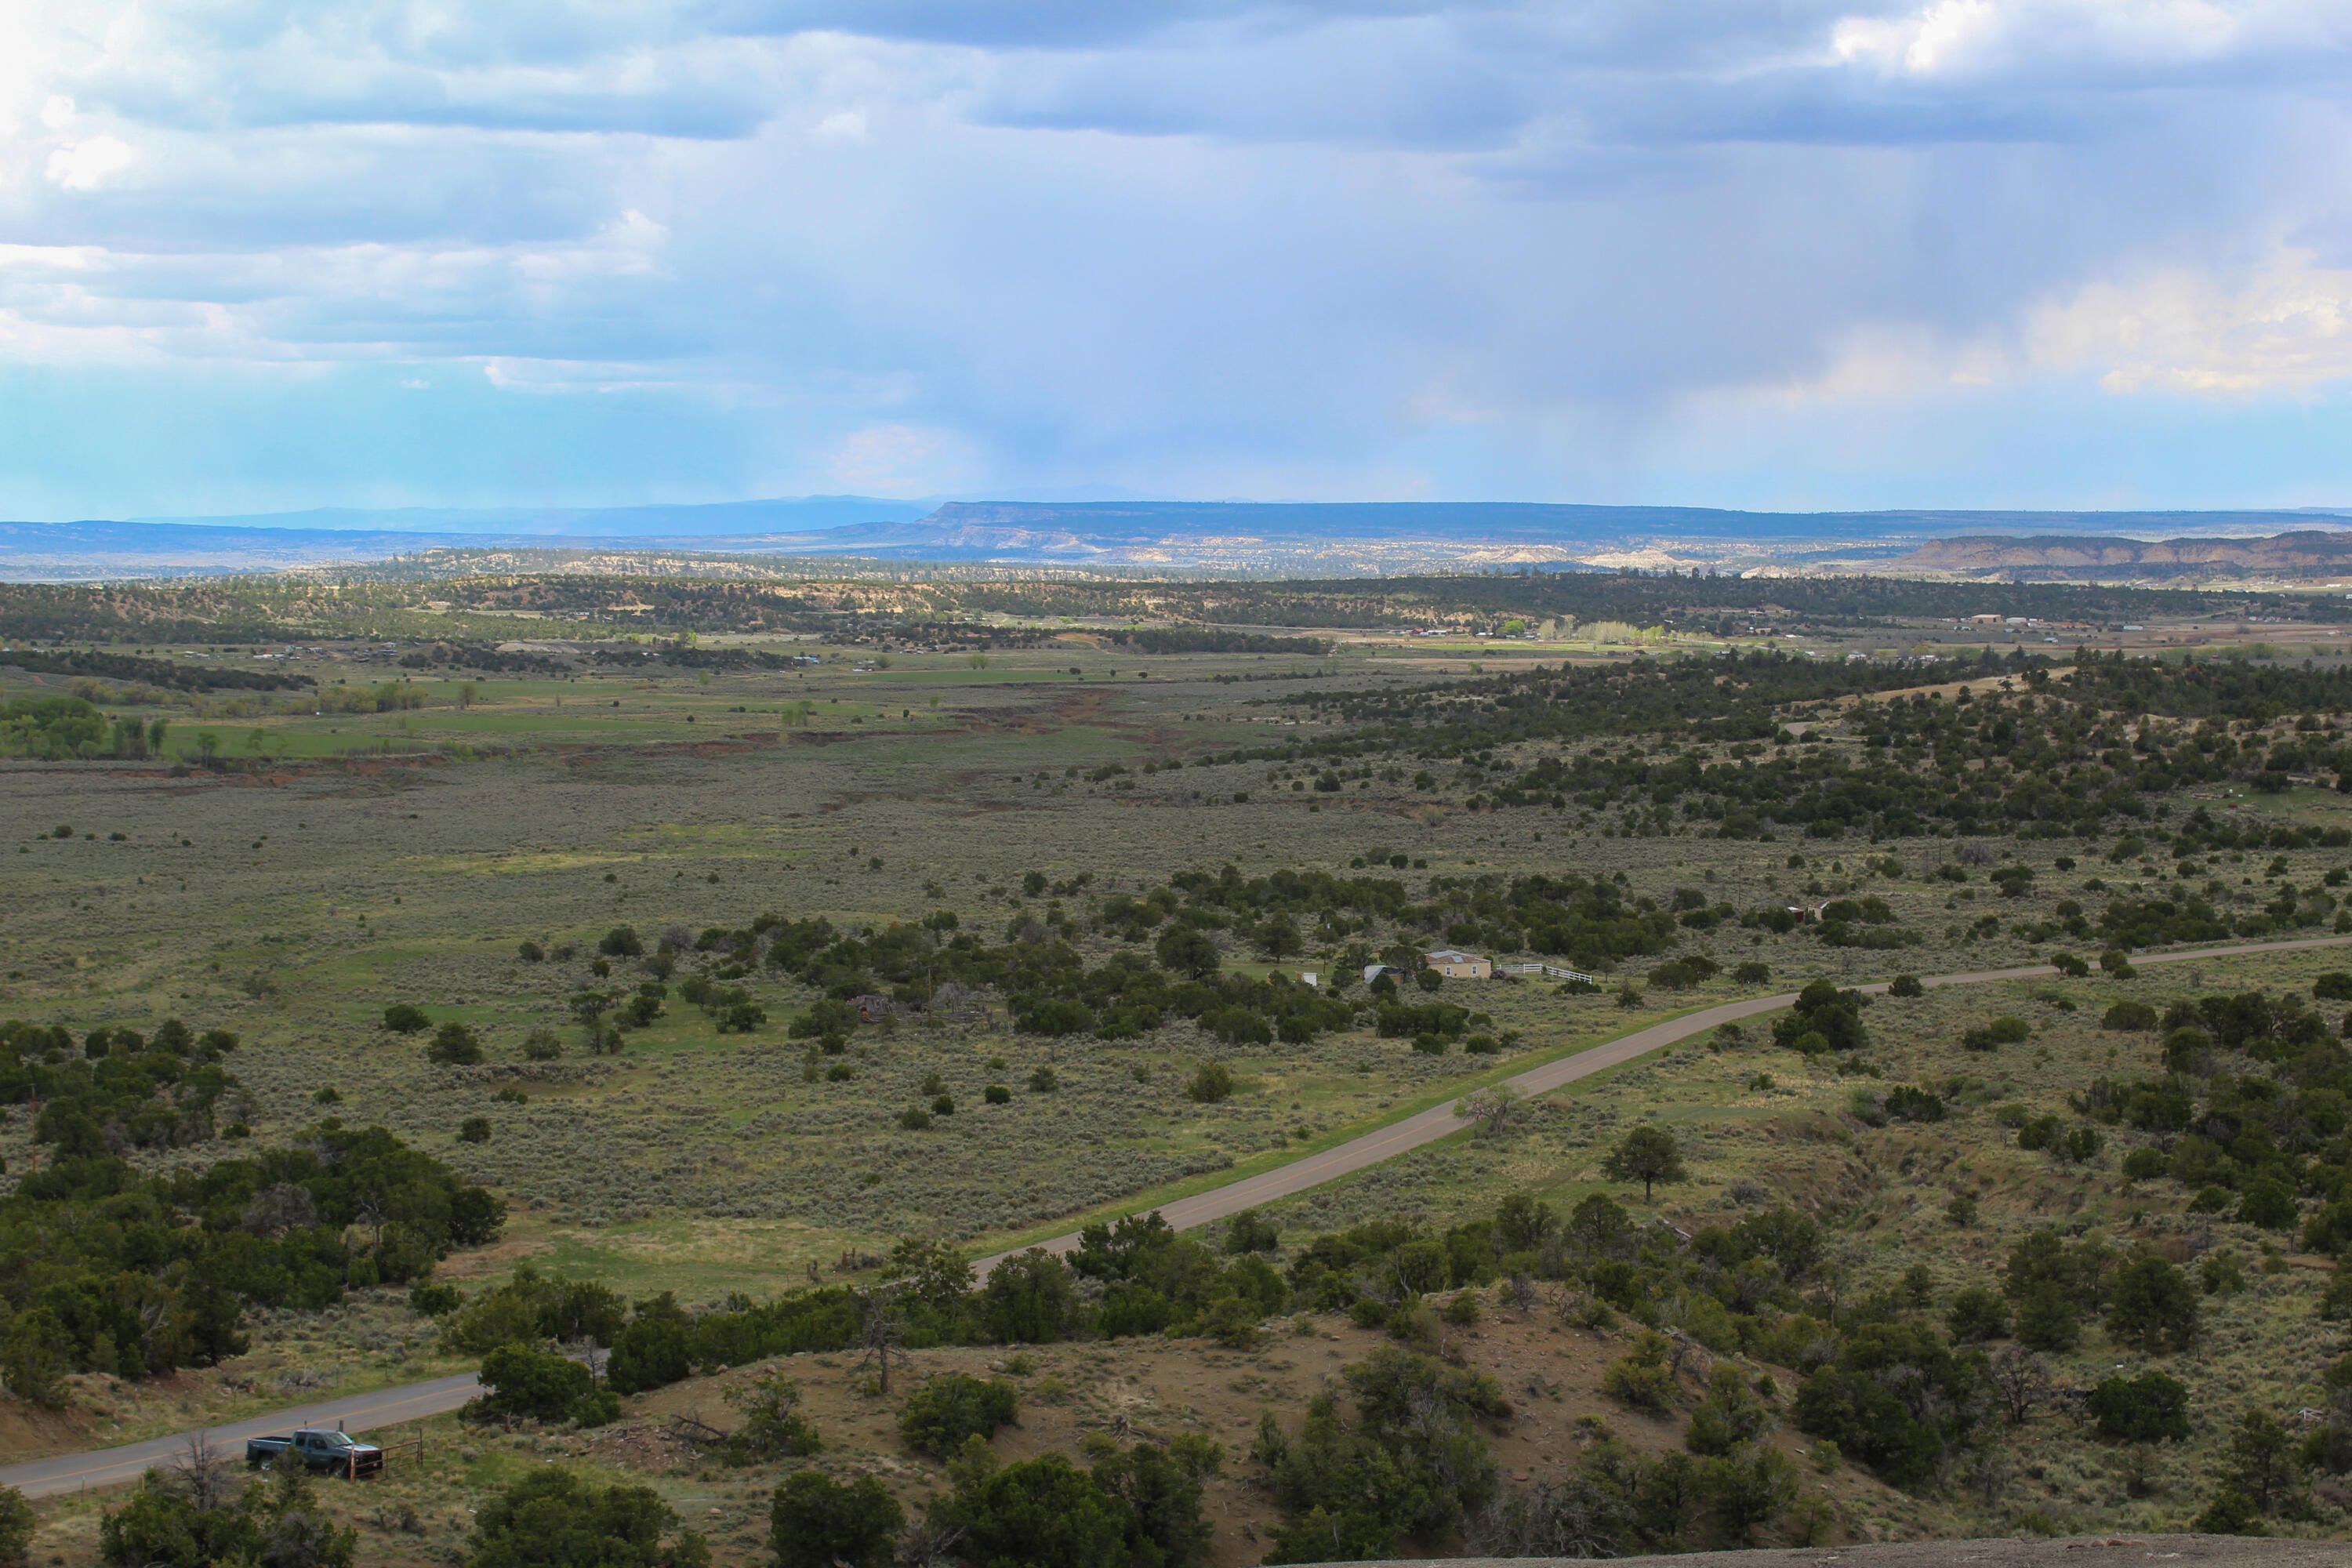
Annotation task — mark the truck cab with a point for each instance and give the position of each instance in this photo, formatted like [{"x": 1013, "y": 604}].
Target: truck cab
[{"x": 322, "y": 1448}]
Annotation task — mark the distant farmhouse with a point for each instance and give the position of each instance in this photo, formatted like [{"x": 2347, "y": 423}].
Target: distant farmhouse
[{"x": 1450, "y": 962}]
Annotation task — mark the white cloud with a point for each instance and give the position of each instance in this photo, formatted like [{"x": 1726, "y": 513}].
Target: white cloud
[
  {"x": 2288, "y": 329},
  {"x": 2281, "y": 330},
  {"x": 631, "y": 245},
  {"x": 86, "y": 165},
  {"x": 19, "y": 260},
  {"x": 1978, "y": 38}
]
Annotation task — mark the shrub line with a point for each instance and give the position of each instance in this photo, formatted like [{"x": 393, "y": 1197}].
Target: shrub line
[{"x": 1414, "y": 1127}]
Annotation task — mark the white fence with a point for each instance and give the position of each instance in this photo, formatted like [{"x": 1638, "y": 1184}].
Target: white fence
[{"x": 1553, "y": 971}]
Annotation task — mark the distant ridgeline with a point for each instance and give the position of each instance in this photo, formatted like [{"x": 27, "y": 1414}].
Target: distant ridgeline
[
  {"x": 2303, "y": 553},
  {"x": 475, "y": 612},
  {"x": 207, "y": 613},
  {"x": 1544, "y": 522}
]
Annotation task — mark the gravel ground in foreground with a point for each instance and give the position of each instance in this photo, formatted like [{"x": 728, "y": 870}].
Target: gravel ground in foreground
[{"x": 2077, "y": 1551}]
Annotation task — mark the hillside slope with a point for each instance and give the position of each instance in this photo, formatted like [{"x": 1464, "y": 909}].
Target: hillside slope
[{"x": 1159, "y": 1389}]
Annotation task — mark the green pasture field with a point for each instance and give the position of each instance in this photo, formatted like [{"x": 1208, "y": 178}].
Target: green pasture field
[
  {"x": 294, "y": 902},
  {"x": 351, "y": 861},
  {"x": 298, "y": 902}
]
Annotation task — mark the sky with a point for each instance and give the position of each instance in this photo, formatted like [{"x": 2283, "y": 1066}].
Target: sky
[{"x": 261, "y": 255}]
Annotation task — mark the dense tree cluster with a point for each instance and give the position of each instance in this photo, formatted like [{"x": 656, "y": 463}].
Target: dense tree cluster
[
  {"x": 551, "y": 1516},
  {"x": 127, "y": 668},
  {"x": 482, "y": 656},
  {"x": 1046, "y": 982},
  {"x": 1152, "y": 1280},
  {"x": 2077, "y": 754},
  {"x": 1203, "y": 639},
  {"x": 1733, "y": 697},
  {"x": 197, "y": 1512},
  {"x": 54, "y": 728},
  {"x": 115, "y": 1090},
  {"x": 686, "y": 656},
  {"x": 1593, "y": 919},
  {"x": 522, "y": 1383},
  {"x": 106, "y": 1269},
  {"x": 1137, "y": 1507},
  {"x": 110, "y": 1271},
  {"x": 2253, "y": 1114},
  {"x": 1050, "y": 988},
  {"x": 1402, "y": 1455}
]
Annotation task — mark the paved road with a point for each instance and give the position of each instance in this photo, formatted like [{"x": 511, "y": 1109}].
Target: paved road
[
  {"x": 365, "y": 1412},
  {"x": 357, "y": 1413},
  {"x": 1443, "y": 1120}
]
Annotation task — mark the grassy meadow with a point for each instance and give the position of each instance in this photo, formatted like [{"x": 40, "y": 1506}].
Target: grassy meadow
[
  {"x": 295, "y": 902},
  {"x": 351, "y": 862}
]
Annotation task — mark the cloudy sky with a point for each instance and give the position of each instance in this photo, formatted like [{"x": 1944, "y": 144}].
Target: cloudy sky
[{"x": 265, "y": 253}]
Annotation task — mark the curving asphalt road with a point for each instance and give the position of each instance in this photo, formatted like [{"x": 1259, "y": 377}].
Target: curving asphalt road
[
  {"x": 354, "y": 1413},
  {"x": 413, "y": 1402},
  {"x": 1443, "y": 1120}
]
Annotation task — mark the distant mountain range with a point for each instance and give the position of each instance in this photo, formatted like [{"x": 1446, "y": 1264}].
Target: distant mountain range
[
  {"x": 2301, "y": 555},
  {"x": 790, "y": 514},
  {"x": 1222, "y": 537},
  {"x": 1543, "y": 522}
]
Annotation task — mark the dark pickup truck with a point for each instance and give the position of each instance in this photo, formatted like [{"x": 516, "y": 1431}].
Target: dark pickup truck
[{"x": 319, "y": 1448}]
